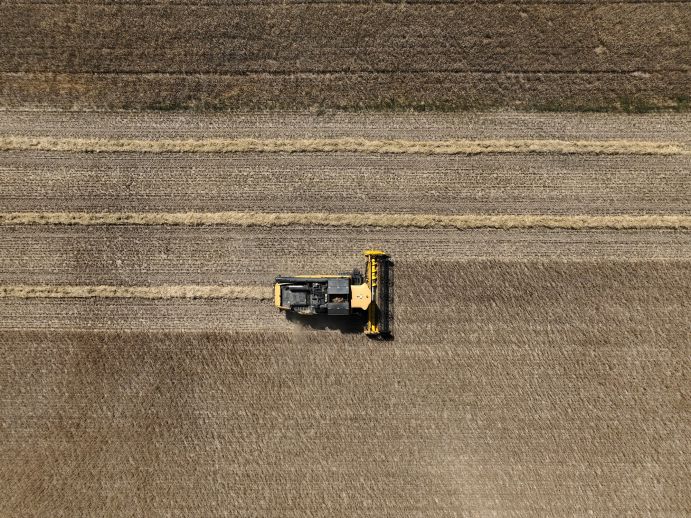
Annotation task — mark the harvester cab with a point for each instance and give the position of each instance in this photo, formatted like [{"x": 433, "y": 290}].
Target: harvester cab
[{"x": 342, "y": 295}]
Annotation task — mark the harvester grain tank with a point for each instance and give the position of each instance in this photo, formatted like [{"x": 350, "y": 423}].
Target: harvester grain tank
[{"x": 342, "y": 295}]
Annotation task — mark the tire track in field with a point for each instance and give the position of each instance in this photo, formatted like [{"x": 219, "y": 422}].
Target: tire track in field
[
  {"x": 332, "y": 145},
  {"x": 284, "y": 219}
]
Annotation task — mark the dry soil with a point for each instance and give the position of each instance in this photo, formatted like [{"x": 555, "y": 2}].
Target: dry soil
[
  {"x": 532, "y": 372},
  {"x": 556, "y": 55}
]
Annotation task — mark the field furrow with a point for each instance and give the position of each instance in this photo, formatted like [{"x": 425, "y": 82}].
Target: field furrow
[{"x": 495, "y": 184}]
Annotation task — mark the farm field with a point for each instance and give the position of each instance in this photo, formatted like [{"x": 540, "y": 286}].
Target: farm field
[
  {"x": 544, "y": 55},
  {"x": 540, "y": 362}
]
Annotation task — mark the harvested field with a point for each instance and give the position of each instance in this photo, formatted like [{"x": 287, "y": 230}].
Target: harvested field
[
  {"x": 558, "y": 91},
  {"x": 556, "y": 184},
  {"x": 448, "y": 55},
  {"x": 553, "y": 182},
  {"x": 414, "y": 38},
  {"x": 227, "y": 256},
  {"x": 533, "y": 370},
  {"x": 373, "y": 126},
  {"x": 575, "y": 294},
  {"x": 139, "y": 314}
]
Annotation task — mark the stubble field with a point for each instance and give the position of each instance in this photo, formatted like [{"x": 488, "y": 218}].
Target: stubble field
[
  {"x": 553, "y": 55},
  {"x": 542, "y": 262},
  {"x": 533, "y": 370}
]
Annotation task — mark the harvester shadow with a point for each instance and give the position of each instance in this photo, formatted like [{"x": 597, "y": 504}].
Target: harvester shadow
[{"x": 351, "y": 324}]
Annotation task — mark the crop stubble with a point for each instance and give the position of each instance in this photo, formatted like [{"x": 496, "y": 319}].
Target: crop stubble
[
  {"x": 450, "y": 55},
  {"x": 565, "y": 375},
  {"x": 142, "y": 255},
  {"x": 558, "y": 187},
  {"x": 491, "y": 184},
  {"x": 334, "y": 124},
  {"x": 431, "y": 38},
  {"x": 533, "y": 371},
  {"x": 553, "y": 182}
]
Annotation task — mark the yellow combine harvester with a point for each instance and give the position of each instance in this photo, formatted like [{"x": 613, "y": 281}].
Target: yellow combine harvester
[{"x": 342, "y": 295}]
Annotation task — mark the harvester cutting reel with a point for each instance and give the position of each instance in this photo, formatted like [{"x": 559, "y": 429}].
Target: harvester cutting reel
[{"x": 342, "y": 295}]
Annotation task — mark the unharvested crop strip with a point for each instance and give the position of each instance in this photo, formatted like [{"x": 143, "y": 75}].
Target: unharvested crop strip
[
  {"x": 284, "y": 219},
  {"x": 353, "y": 145},
  {"x": 142, "y": 292}
]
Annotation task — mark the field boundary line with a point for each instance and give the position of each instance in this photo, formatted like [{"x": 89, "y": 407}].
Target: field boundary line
[
  {"x": 342, "y": 144},
  {"x": 25, "y": 291},
  {"x": 283, "y": 219}
]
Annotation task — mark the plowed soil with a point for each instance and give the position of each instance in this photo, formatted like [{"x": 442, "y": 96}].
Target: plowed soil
[{"x": 532, "y": 371}]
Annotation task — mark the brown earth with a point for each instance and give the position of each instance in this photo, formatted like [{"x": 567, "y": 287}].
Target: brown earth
[
  {"x": 324, "y": 38},
  {"x": 516, "y": 183},
  {"x": 505, "y": 184},
  {"x": 306, "y": 2},
  {"x": 516, "y": 388},
  {"x": 597, "y": 91},
  {"x": 556, "y": 55},
  {"x": 532, "y": 371},
  {"x": 154, "y": 255},
  {"x": 659, "y": 127}
]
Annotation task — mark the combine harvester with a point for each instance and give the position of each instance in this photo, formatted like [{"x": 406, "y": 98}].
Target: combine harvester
[{"x": 343, "y": 295}]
